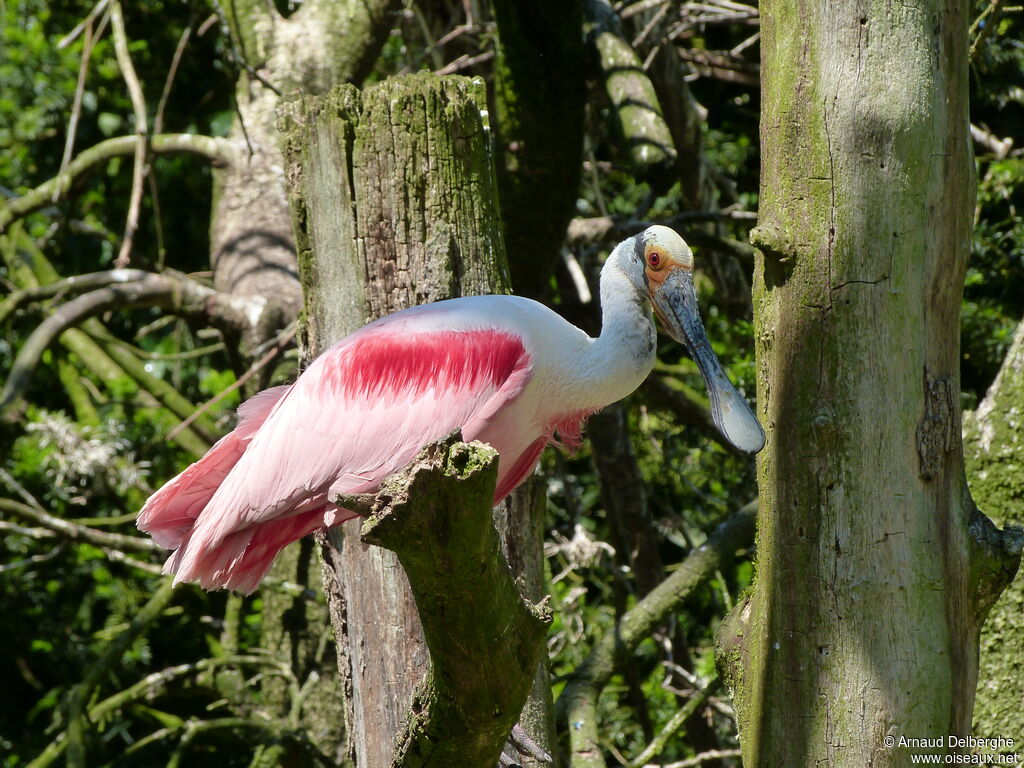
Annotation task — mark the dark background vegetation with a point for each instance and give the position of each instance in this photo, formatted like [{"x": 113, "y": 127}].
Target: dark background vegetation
[{"x": 62, "y": 601}]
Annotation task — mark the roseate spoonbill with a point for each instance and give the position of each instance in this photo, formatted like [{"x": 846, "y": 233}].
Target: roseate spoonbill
[{"x": 504, "y": 369}]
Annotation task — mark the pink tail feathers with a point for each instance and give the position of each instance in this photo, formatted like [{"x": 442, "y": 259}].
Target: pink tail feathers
[
  {"x": 242, "y": 559},
  {"x": 170, "y": 513}
]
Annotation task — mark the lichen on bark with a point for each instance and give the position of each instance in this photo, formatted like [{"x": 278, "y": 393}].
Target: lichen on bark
[{"x": 994, "y": 452}]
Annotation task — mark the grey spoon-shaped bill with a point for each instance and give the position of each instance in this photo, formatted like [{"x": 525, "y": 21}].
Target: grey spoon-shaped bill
[{"x": 676, "y": 304}]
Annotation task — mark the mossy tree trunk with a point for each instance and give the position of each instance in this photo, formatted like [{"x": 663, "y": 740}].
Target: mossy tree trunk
[
  {"x": 319, "y": 45},
  {"x": 994, "y": 448},
  {"x": 394, "y": 203},
  {"x": 874, "y": 568}
]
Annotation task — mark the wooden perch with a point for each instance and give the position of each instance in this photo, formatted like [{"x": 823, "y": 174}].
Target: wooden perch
[{"x": 485, "y": 640}]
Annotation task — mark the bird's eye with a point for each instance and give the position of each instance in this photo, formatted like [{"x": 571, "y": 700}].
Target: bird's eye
[{"x": 655, "y": 259}]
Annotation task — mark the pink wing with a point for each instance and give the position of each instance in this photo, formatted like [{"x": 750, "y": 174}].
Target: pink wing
[
  {"x": 360, "y": 412},
  {"x": 169, "y": 514}
]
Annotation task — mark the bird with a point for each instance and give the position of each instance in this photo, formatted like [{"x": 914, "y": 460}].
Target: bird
[{"x": 506, "y": 370}]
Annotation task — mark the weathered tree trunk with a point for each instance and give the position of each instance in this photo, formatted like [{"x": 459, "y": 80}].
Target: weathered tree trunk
[
  {"x": 394, "y": 202},
  {"x": 485, "y": 640},
  {"x": 872, "y": 566},
  {"x": 994, "y": 448},
  {"x": 322, "y": 44}
]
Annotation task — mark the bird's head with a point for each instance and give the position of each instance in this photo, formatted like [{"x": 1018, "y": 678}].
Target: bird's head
[{"x": 660, "y": 264}]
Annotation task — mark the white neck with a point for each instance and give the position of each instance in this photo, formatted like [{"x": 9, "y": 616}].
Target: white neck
[{"x": 622, "y": 356}]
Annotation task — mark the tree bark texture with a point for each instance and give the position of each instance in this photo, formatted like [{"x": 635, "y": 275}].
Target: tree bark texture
[
  {"x": 321, "y": 44},
  {"x": 394, "y": 203},
  {"x": 994, "y": 448},
  {"x": 252, "y": 251},
  {"x": 863, "y": 621},
  {"x": 519, "y": 521},
  {"x": 485, "y": 640}
]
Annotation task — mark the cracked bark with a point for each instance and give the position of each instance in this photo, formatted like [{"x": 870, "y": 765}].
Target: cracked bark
[{"x": 863, "y": 497}]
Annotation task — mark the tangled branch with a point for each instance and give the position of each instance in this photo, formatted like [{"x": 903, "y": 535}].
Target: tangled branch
[
  {"x": 578, "y": 702},
  {"x": 170, "y": 290},
  {"x": 219, "y": 151}
]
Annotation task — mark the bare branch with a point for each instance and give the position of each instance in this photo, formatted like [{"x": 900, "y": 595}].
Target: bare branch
[
  {"x": 71, "y": 36},
  {"x": 124, "y": 61},
  {"x": 982, "y": 26},
  {"x": 76, "y": 532},
  {"x": 675, "y": 722},
  {"x": 722, "y": 65},
  {"x": 34, "y": 559},
  {"x": 998, "y": 147},
  {"x": 578, "y": 702},
  {"x": 83, "y": 69},
  {"x": 220, "y": 151},
  {"x": 598, "y": 229},
  {"x": 158, "y": 126},
  {"x": 158, "y": 119},
  {"x": 80, "y": 694},
  {"x": 465, "y": 61},
  {"x": 280, "y": 343},
  {"x": 576, "y": 274},
  {"x": 70, "y": 285},
  {"x": 19, "y": 489},
  {"x": 172, "y": 291},
  {"x": 32, "y": 533},
  {"x": 699, "y": 759}
]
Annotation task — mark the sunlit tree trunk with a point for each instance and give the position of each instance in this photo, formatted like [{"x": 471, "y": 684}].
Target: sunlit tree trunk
[
  {"x": 875, "y": 570},
  {"x": 252, "y": 253},
  {"x": 393, "y": 194},
  {"x": 994, "y": 448},
  {"x": 321, "y": 44}
]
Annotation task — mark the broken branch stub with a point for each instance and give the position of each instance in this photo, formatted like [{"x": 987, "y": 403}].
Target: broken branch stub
[{"x": 485, "y": 640}]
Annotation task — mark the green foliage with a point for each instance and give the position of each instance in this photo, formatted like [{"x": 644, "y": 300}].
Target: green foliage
[
  {"x": 993, "y": 303},
  {"x": 62, "y": 600},
  {"x": 37, "y": 81}
]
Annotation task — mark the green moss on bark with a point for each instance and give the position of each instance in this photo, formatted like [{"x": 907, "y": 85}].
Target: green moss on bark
[
  {"x": 994, "y": 451},
  {"x": 864, "y": 219},
  {"x": 485, "y": 640},
  {"x": 394, "y": 200}
]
